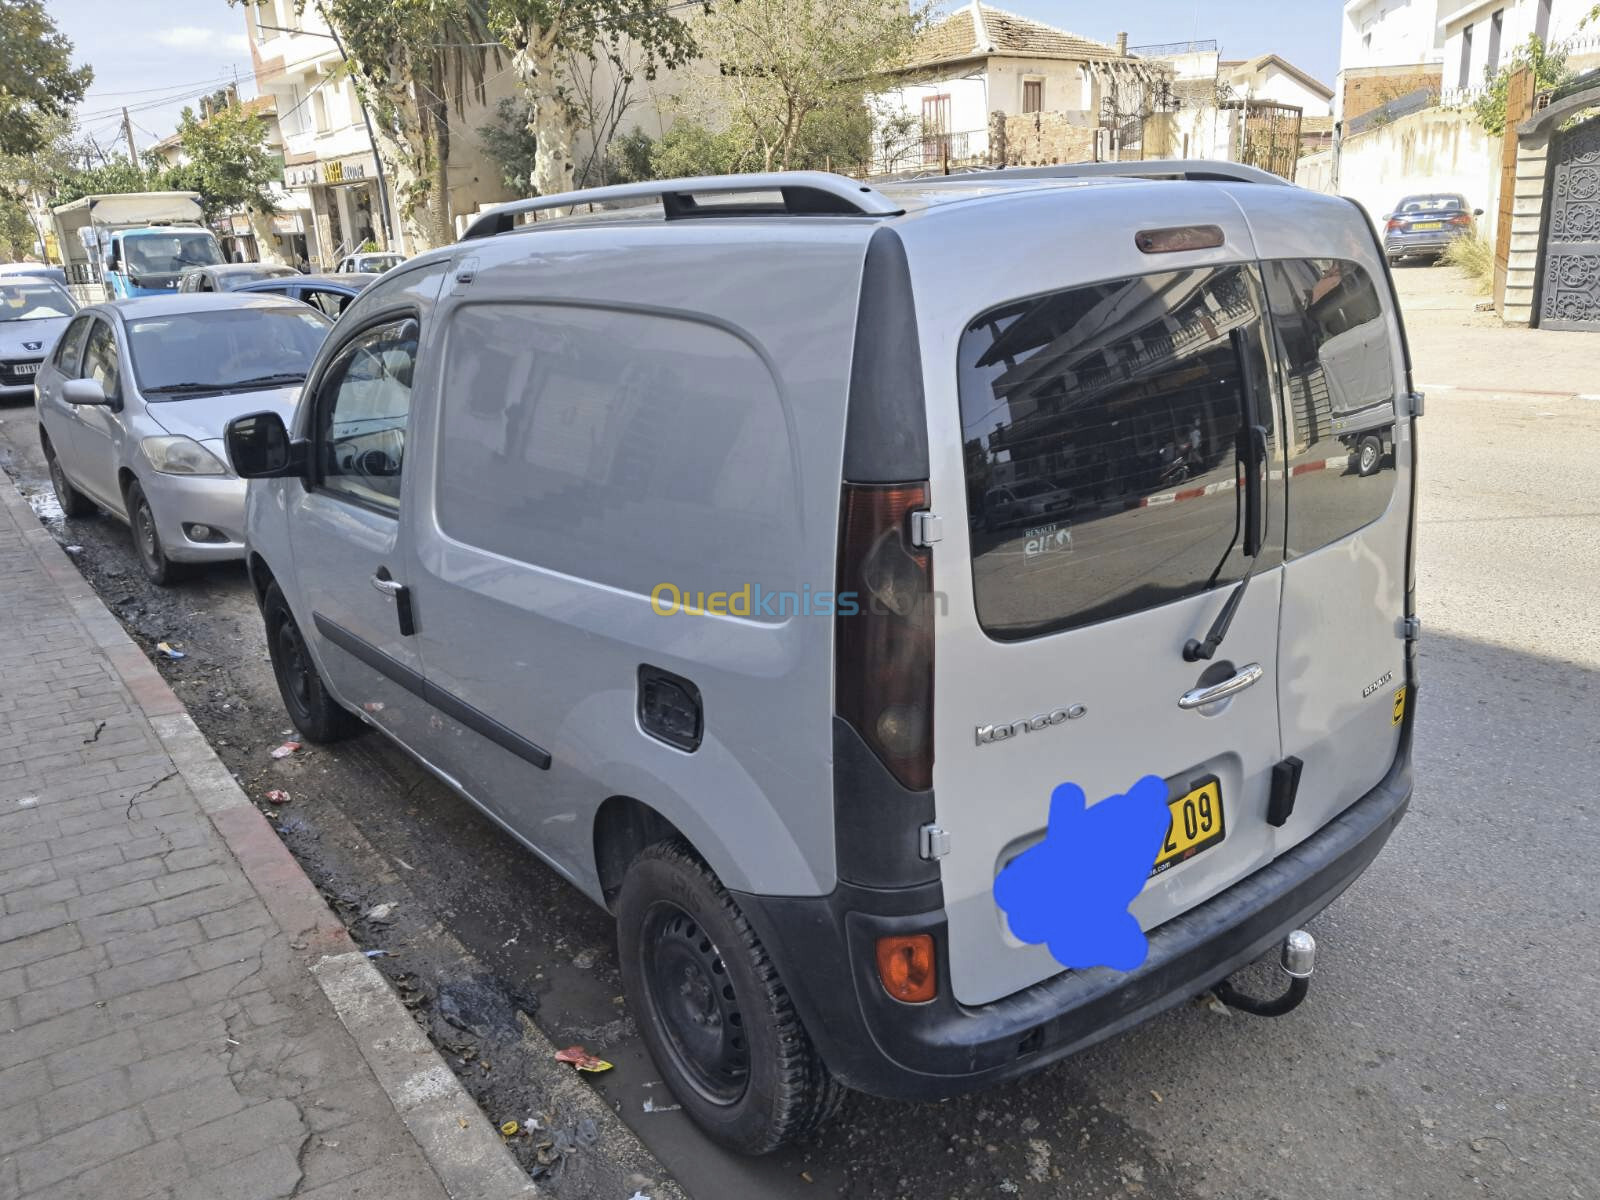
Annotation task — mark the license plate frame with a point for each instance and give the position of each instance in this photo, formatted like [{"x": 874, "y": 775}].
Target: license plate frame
[
  {"x": 25, "y": 368},
  {"x": 1179, "y": 845}
]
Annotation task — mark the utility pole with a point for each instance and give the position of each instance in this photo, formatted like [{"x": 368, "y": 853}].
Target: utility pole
[{"x": 127, "y": 132}]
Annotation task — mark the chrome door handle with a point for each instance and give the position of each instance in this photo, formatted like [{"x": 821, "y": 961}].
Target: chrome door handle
[
  {"x": 1200, "y": 697},
  {"x": 389, "y": 587}
]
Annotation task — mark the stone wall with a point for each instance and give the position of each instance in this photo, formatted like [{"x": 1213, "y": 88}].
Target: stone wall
[
  {"x": 1040, "y": 139},
  {"x": 1367, "y": 88}
]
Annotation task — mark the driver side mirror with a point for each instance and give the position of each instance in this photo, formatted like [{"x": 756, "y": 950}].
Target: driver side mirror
[
  {"x": 1477, "y": 212},
  {"x": 259, "y": 447},
  {"x": 86, "y": 391}
]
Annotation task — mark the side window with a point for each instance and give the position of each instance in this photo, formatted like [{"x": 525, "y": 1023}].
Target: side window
[
  {"x": 331, "y": 303},
  {"x": 100, "y": 359},
  {"x": 1101, "y": 428},
  {"x": 71, "y": 346},
  {"x": 1336, "y": 359},
  {"x": 362, "y": 407},
  {"x": 571, "y": 437}
]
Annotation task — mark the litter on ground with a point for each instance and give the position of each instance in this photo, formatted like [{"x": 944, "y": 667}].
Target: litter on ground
[
  {"x": 582, "y": 1059},
  {"x": 285, "y": 750}
]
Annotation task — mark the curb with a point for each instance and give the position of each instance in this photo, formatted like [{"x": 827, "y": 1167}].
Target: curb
[{"x": 464, "y": 1150}]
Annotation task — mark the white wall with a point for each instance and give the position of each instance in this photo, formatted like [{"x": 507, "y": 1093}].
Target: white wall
[
  {"x": 1280, "y": 87},
  {"x": 1436, "y": 150},
  {"x": 1391, "y": 33},
  {"x": 1520, "y": 21}
]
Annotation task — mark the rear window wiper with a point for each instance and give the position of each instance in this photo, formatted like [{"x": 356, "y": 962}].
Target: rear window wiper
[{"x": 1252, "y": 451}]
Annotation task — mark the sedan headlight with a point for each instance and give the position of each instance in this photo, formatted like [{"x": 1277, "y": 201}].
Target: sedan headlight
[{"x": 181, "y": 456}]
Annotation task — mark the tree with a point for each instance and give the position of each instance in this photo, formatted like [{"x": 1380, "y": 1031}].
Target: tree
[
  {"x": 509, "y": 141},
  {"x": 37, "y": 79},
  {"x": 549, "y": 39},
  {"x": 229, "y": 162},
  {"x": 788, "y": 68},
  {"x": 115, "y": 174},
  {"x": 1549, "y": 66},
  {"x": 413, "y": 63}
]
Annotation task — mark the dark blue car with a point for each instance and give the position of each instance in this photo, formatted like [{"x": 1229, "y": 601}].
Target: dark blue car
[
  {"x": 330, "y": 293},
  {"x": 1427, "y": 224}
]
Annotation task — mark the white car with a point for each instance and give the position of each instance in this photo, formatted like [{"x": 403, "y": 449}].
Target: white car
[{"x": 370, "y": 263}]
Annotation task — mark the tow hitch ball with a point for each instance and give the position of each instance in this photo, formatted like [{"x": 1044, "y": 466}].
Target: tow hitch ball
[{"x": 1298, "y": 958}]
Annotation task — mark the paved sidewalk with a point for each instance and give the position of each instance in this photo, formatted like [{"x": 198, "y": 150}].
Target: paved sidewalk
[{"x": 166, "y": 1027}]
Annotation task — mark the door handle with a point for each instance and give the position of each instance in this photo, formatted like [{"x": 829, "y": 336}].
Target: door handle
[
  {"x": 1199, "y": 697},
  {"x": 401, "y": 595}
]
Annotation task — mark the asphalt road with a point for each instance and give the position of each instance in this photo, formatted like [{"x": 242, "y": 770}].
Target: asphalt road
[{"x": 1449, "y": 1047}]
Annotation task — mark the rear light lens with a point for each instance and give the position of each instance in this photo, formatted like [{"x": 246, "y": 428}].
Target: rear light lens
[
  {"x": 1463, "y": 220},
  {"x": 883, "y": 650},
  {"x": 906, "y": 967},
  {"x": 1178, "y": 240},
  {"x": 1391, "y": 226}
]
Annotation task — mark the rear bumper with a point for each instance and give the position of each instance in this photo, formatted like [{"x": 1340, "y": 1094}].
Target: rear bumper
[
  {"x": 1429, "y": 243},
  {"x": 823, "y": 948}
]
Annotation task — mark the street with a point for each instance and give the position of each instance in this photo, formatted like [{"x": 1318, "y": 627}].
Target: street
[{"x": 1448, "y": 1047}]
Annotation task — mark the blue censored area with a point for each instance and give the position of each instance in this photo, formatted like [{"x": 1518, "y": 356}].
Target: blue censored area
[{"x": 1072, "y": 890}]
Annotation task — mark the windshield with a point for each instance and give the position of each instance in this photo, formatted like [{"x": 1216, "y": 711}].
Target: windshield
[
  {"x": 226, "y": 350},
  {"x": 377, "y": 264},
  {"x": 169, "y": 253},
  {"x": 34, "y": 300}
]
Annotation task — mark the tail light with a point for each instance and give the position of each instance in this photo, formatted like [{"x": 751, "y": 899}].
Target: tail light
[
  {"x": 906, "y": 967},
  {"x": 883, "y": 649},
  {"x": 1461, "y": 220},
  {"x": 1394, "y": 223}
]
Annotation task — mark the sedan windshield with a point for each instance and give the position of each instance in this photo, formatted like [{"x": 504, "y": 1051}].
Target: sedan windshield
[
  {"x": 34, "y": 300},
  {"x": 169, "y": 253},
  {"x": 230, "y": 281},
  {"x": 224, "y": 350}
]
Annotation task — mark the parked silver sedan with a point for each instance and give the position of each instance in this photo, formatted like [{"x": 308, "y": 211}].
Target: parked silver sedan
[
  {"x": 132, "y": 405},
  {"x": 34, "y": 309}
]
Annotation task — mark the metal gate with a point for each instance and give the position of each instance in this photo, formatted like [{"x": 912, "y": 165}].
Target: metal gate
[
  {"x": 1570, "y": 272},
  {"x": 1266, "y": 135}
]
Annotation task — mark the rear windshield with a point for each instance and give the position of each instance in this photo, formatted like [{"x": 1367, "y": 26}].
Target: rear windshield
[
  {"x": 1100, "y": 430},
  {"x": 1436, "y": 203},
  {"x": 232, "y": 349}
]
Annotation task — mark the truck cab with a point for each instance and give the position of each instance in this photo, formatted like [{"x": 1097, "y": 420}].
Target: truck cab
[{"x": 148, "y": 261}]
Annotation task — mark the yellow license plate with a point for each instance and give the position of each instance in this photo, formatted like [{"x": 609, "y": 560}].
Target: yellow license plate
[
  {"x": 1428, "y": 225},
  {"x": 1197, "y": 824}
]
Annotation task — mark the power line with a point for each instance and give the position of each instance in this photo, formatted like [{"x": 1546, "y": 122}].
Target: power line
[{"x": 166, "y": 87}]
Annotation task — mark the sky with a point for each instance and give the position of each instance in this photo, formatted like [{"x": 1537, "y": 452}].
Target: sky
[{"x": 155, "y": 56}]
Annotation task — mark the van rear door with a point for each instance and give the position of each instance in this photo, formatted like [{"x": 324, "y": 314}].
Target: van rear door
[
  {"x": 1341, "y": 687},
  {"x": 1117, "y": 417}
]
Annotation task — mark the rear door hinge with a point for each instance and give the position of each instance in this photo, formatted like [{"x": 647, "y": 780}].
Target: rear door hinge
[
  {"x": 1414, "y": 403},
  {"x": 1411, "y": 627},
  {"x": 935, "y": 843},
  {"x": 926, "y": 528}
]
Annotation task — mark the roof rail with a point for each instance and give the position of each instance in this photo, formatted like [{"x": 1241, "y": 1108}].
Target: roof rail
[
  {"x": 805, "y": 193},
  {"x": 1174, "y": 168}
]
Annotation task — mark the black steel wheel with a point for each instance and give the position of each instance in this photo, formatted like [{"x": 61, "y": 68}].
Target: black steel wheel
[
  {"x": 314, "y": 712},
  {"x": 73, "y": 502},
  {"x": 718, "y": 1020}
]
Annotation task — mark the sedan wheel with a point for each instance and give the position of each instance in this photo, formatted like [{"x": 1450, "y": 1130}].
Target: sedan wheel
[
  {"x": 158, "y": 568},
  {"x": 73, "y": 502}
]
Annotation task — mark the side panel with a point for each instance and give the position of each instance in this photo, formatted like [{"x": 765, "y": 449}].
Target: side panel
[{"x": 595, "y": 440}]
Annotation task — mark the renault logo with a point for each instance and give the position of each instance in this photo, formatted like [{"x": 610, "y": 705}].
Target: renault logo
[{"x": 988, "y": 735}]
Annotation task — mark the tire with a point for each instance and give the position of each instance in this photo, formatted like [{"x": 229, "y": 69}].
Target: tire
[
  {"x": 1369, "y": 455},
  {"x": 73, "y": 502},
  {"x": 678, "y": 934},
  {"x": 316, "y": 714},
  {"x": 158, "y": 568}
]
